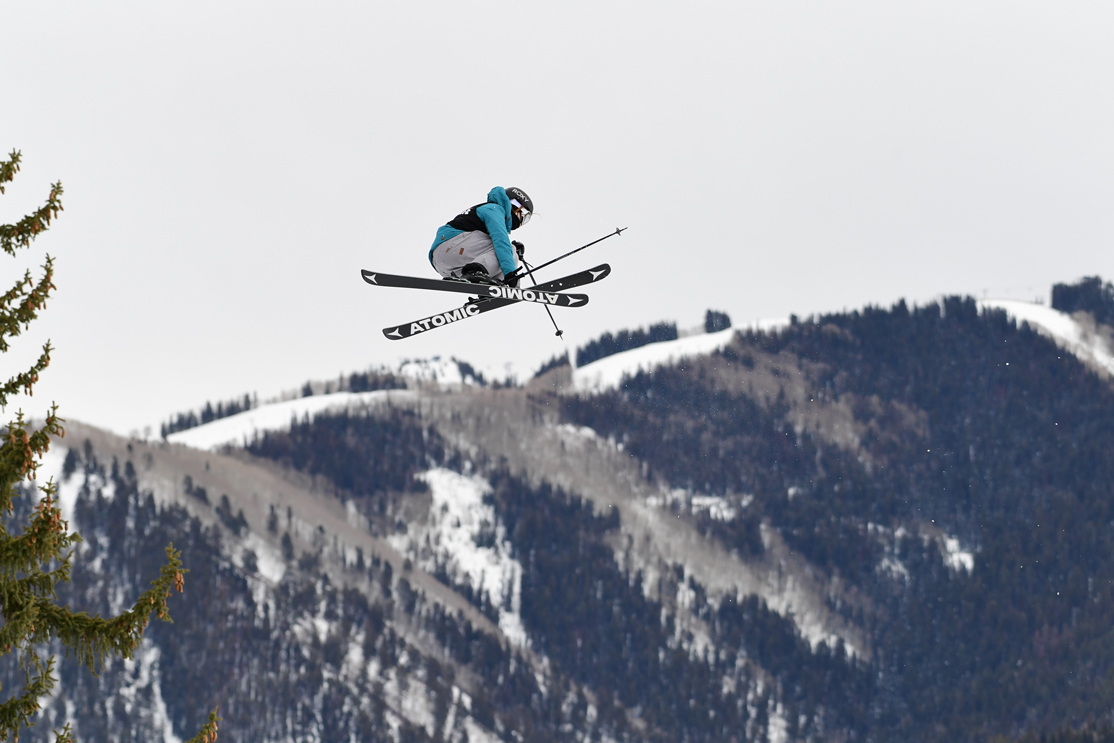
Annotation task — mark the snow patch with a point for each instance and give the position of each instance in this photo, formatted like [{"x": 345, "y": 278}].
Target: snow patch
[
  {"x": 451, "y": 371},
  {"x": 458, "y": 523},
  {"x": 410, "y": 697},
  {"x": 147, "y": 679},
  {"x": 436, "y": 369},
  {"x": 894, "y": 567},
  {"x": 719, "y": 509},
  {"x": 269, "y": 560},
  {"x": 777, "y": 729},
  {"x": 608, "y": 372},
  {"x": 571, "y": 432},
  {"x": 789, "y": 596},
  {"x": 477, "y": 734},
  {"x": 1090, "y": 347},
  {"x": 955, "y": 557},
  {"x": 51, "y": 468},
  {"x": 237, "y": 429},
  {"x": 890, "y": 540}
]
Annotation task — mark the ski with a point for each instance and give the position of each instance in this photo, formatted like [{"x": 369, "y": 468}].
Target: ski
[
  {"x": 520, "y": 294},
  {"x": 481, "y": 306}
]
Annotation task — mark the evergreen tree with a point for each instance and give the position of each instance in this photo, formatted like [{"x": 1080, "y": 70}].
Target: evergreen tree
[
  {"x": 715, "y": 321},
  {"x": 36, "y": 560}
]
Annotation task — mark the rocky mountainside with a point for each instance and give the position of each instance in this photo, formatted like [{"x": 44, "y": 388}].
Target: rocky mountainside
[{"x": 881, "y": 525}]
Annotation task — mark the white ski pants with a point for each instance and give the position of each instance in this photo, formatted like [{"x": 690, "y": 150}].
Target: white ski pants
[{"x": 467, "y": 247}]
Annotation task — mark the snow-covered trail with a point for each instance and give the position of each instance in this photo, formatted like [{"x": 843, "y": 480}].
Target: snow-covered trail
[
  {"x": 608, "y": 372},
  {"x": 241, "y": 428},
  {"x": 1090, "y": 344}
]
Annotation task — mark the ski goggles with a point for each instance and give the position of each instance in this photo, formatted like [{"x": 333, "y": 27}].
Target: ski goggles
[{"x": 521, "y": 212}]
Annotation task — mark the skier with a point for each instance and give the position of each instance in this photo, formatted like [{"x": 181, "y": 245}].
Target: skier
[{"x": 476, "y": 245}]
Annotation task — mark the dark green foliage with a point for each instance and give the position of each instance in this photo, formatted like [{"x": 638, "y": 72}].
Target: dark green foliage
[
  {"x": 825, "y": 681},
  {"x": 1090, "y": 734},
  {"x": 309, "y": 562},
  {"x": 70, "y": 463},
  {"x": 1088, "y": 294},
  {"x": 235, "y": 524},
  {"x": 624, "y": 340},
  {"x": 275, "y": 682},
  {"x": 595, "y": 624},
  {"x": 190, "y": 419},
  {"x": 370, "y": 381},
  {"x": 597, "y": 628},
  {"x": 972, "y": 425},
  {"x": 361, "y": 454},
  {"x": 195, "y": 491},
  {"x": 554, "y": 363},
  {"x": 467, "y": 371},
  {"x": 703, "y": 440},
  {"x": 716, "y": 321}
]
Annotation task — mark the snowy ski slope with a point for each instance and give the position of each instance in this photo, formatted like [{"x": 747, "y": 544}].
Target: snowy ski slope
[
  {"x": 242, "y": 427},
  {"x": 1087, "y": 344},
  {"x": 609, "y": 371}
]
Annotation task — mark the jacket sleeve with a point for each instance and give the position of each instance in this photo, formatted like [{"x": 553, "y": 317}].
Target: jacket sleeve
[{"x": 495, "y": 219}]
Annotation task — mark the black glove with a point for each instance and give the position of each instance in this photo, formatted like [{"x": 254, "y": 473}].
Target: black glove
[
  {"x": 511, "y": 279},
  {"x": 519, "y": 248}
]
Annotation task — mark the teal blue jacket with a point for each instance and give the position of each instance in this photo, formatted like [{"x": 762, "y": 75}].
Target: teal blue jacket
[{"x": 496, "y": 218}]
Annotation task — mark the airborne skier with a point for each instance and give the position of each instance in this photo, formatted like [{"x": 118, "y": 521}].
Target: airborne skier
[
  {"x": 475, "y": 248},
  {"x": 475, "y": 245}
]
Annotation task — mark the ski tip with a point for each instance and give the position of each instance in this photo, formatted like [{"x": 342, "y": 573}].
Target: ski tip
[
  {"x": 369, "y": 276},
  {"x": 394, "y": 334}
]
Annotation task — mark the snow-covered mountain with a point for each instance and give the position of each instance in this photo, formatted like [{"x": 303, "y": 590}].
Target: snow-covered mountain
[{"x": 782, "y": 532}]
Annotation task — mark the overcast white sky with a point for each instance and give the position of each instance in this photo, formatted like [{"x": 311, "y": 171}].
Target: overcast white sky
[{"x": 230, "y": 167}]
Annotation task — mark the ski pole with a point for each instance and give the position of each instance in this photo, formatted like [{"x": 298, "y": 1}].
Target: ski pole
[
  {"x": 618, "y": 231},
  {"x": 560, "y": 332}
]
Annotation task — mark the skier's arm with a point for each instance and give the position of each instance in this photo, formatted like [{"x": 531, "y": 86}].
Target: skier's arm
[{"x": 496, "y": 222}]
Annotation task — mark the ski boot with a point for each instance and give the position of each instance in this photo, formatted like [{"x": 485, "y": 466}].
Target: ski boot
[{"x": 475, "y": 273}]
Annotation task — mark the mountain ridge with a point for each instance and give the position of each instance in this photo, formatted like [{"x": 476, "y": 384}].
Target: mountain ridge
[{"x": 867, "y": 525}]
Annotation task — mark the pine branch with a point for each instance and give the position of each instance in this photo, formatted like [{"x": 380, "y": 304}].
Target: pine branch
[
  {"x": 20, "y": 454},
  {"x": 28, "y": 584},
  {"x": 26, "y": 381},
  {"x": 22, "y": 557},
  {"x": 9, "y": 168},
  {"x": 28, "y": 298},
  {"x": 18, "y": 712},
  {"x": 208, "y": 733},
  {"x": 20, "y": 234}
]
